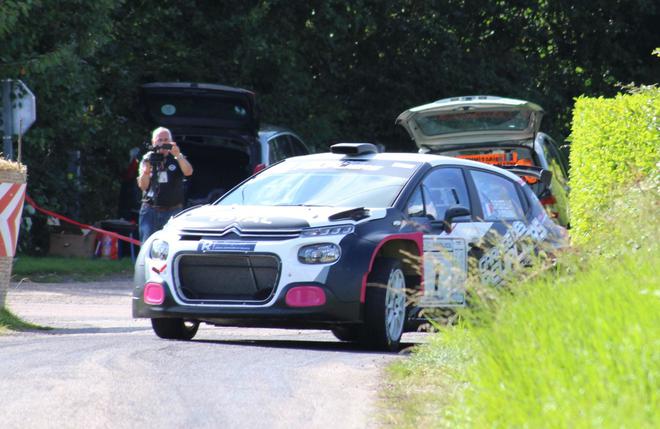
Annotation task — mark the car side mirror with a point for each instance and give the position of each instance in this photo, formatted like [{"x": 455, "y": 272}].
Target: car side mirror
[
  {"x": 452, "y": 213},
  {"x": 546, "y": 178}
]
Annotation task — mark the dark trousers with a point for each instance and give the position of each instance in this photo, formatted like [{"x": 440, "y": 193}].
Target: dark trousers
[{"x": 153, "y": 219}]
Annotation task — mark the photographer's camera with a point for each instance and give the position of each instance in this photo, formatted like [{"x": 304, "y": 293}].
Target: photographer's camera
[{"x": 155, "y": 158}]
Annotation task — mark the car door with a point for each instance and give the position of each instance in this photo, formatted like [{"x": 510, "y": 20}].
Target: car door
[
  {"x": 446, "y": 249},
  {"x": 513, "y": 232}
]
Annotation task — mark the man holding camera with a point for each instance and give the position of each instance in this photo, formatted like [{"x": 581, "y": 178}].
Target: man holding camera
[{"x": 162, "y": 171}]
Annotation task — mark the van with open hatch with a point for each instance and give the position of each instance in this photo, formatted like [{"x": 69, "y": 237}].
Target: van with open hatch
[
  {"x": 217, "y": 127},
  {"x": 494, "y": 130}
]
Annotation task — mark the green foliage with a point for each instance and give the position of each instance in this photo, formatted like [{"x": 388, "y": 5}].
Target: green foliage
[
  {"x": 52, "y": 269},
  {"x": 584, "y": 354},
  {"x": 9, "y": 321},
  {"x": 330, "y": 70},
  {"x": 76, "y": 143},
  {"x": 426, "y": 384},
  {"x": 613, "y": 142}
]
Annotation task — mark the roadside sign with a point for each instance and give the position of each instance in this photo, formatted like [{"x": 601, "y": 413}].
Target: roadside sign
[
  {"x": 19, "y": 111},
  {"x": 25, "y": 108}
]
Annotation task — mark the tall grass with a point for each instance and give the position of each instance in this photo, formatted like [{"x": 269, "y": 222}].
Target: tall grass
[
  {"x": 584, "y": 353},
  {"x": 576, "y": 347}
]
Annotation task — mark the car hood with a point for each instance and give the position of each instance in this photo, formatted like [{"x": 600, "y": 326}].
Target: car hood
[
  {"x": 259, "y": 218},
  {"x": 179, "y": 104},
  {"x": 463, "y": 121}
]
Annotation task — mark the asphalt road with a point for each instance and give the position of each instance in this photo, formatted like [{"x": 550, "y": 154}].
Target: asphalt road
[{"x": 102, "y": 369}]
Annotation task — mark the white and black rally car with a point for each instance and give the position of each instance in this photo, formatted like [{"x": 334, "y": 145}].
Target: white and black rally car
[{"x": 335, "y": 241}]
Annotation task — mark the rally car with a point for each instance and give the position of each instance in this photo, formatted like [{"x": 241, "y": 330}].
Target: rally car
[{"x": 339, "y": 241}]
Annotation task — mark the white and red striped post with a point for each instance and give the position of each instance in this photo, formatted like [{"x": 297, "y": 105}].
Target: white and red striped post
[{"x": 12, "y": 196}]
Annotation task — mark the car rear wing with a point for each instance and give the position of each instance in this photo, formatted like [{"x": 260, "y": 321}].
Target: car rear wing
[
  {"x": 541, "y": 174},
  {"x": 538, "y": 178}
]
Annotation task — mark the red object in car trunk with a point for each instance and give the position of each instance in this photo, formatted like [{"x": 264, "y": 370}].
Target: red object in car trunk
[{"x": 549, "y": 202}]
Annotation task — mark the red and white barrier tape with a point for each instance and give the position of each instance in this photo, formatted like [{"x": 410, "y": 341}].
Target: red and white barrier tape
[{"x": 31, "y": 202}]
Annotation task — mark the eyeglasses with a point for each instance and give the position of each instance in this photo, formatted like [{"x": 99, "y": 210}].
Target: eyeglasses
[{"x": 165, "y": 140}]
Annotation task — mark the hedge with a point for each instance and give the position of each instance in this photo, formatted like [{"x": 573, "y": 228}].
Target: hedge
[{"x": 615, "y": 141}]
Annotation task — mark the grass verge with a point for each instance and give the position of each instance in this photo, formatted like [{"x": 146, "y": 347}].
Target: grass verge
[
  {"x": 56, "y": 270},
  {"x": 9, "y": 321},
  {"x": 577, "y": 347}
]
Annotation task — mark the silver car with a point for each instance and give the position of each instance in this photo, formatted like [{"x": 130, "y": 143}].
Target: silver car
[{"x": 494, "y": 130}]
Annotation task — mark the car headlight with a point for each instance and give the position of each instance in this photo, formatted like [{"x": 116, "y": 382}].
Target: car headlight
[
  {"x": 328, "y": 230},
  {"x": 159, "y": 249},
  {"x": 323, "y": 253}
]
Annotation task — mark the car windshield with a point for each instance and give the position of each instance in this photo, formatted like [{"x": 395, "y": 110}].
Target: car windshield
[
  {"x": 331, "y": 183},
  {"x": 460, "y": 122}
]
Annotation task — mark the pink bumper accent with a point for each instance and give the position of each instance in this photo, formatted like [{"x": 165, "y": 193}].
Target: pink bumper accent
[
  {"x": 154, "y": 293},
  {"x": 305, "y": 296}
]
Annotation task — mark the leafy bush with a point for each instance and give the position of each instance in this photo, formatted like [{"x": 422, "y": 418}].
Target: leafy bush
[{"x": 613, "y": 142}]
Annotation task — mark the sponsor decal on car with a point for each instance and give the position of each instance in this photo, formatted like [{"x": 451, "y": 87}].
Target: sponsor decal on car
[
  {"x": 225, "y": 246},
  {"x": 512, "y": 251}
]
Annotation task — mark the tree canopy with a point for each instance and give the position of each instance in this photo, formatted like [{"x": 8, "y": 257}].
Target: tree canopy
[{"x": 331, "y": 70}]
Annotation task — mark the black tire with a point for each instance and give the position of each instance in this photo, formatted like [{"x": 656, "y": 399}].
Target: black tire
[
  {"x": 175, "y": 329},
  {"x": 385, "y": 307},
  {"x": 349, "y": 333}
]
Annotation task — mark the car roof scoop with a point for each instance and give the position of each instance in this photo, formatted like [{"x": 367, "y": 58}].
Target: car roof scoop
[
  {"x": 352, "y": 214},
  {"x": 354, "y": 148}
]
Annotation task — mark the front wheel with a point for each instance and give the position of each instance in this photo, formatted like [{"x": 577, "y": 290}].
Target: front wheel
[
  {"x": 385, "y": 308},
  {"x": 175, "y": 329}
]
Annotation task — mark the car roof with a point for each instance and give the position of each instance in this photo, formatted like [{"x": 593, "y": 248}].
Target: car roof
[
  {"x": 268, "y": 130},
  {"x": 417, "y": 158}
]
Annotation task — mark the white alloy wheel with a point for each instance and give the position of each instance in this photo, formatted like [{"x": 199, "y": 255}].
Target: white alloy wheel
[
  {"x": 395, "y": 304},
  {"x": 385, "y": 306}
]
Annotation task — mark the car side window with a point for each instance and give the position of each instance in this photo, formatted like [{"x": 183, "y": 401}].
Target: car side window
[
  {"x": 444, "y": 187},
  {"x": 277, "y": 149},
  {"x": 297, "y": 147},
  {"x": 555, "y": 158},
  {"x": 272, "y": 155},
  {"x": 498, "y": 195},
  {"x": 285, "y": 145},
  {"x": 415, "y": 207}
]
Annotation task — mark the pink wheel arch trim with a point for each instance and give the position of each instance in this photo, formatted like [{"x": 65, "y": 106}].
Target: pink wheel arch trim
[{"x": 415, "y": 237}]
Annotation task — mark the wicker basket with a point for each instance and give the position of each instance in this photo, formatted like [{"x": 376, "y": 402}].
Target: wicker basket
[{"x": 13, "y": 176}]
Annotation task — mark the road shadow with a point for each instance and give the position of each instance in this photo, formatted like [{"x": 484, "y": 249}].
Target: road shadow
[
  {"x": 333, "y": 346},
  {"x": 94, "y": 330}
]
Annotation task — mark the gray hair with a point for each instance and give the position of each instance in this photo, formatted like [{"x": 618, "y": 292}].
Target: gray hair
[{"x": 159, "y": 130}]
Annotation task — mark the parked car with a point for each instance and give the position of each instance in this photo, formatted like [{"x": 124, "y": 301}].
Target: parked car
[
  {"x": 218, "y": 129},
  {"x": 336, "y": 240},
  {"x": 494, "y": 130},
  {"x": 279, "y": 143}
]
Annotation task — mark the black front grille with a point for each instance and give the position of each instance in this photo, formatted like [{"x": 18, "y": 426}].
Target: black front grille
[
  {"x": 227, "y": 277},
  {"x": 196, "y": 234}
]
